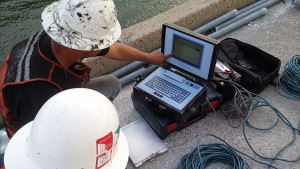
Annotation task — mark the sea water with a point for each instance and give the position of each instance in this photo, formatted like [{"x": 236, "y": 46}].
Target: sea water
[{"x": 20, "y": 19}]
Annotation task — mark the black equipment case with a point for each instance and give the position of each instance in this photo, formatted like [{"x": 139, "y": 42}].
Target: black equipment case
[
  {"x": 163, "y": 126},
  {"x": 257, "y": 67}
]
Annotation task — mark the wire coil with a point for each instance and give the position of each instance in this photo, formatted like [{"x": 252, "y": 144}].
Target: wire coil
[
  {"x": 289, "y": 80},
  {"x": 205, "y": 154},
  {"x": 238, "y": 107}
]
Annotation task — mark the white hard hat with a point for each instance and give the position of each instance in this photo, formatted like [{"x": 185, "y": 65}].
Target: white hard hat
[
  {"x": 82, "y": 24},
  {"x": 75, "y": 129}
]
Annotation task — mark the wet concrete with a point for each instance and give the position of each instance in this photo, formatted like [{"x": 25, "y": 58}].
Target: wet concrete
[{"x": 276, "y": 33}]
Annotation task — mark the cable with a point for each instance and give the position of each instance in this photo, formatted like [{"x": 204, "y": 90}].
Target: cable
[
  {"x": 205, "y": 154},
  {"x": 211, "y": 106},
  {"x": 238, "y": 106},
  {"x": 261, "y": 102},
  {"x": 289, "y": 80}
]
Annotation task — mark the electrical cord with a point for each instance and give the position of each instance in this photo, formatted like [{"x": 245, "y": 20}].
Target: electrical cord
[
  {"x": 261, "y": 102},
  {"x": 211, "y": 106},
  {"x": 289, "y": 80},
  {"x": 205, "y": 154},
  {"x": 236, "y": 108}
]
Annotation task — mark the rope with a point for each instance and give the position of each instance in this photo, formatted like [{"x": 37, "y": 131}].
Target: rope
[{"x": 289, "y": 80}]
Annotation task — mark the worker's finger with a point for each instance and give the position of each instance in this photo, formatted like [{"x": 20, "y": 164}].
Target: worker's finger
[{"x": 170, "y": 55}]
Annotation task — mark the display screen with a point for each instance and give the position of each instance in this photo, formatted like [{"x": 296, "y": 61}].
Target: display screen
[
  {"x": 187, "y": 51},
  {"x": 192, "y": 53}
]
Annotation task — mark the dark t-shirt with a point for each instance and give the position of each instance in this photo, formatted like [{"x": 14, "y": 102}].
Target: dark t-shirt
[{"x": 24, "y": 101}]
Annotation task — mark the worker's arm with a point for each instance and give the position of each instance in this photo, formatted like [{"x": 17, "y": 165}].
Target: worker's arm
[{"x": 123, "y": 52}]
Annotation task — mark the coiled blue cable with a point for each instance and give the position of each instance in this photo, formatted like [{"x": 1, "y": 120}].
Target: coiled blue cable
[
  {"x": 260, "y": 103},
  {"x": 289, "y": 80},
  {"x": 205, "y": 154}
]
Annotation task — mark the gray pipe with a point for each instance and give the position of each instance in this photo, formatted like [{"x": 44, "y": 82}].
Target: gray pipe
[
  {"x": 128, "y": 69},
  {"x": 217, "y": 21},
  {"x": 251, "y": 6},
  {"x": 238, "y": 23},
  {"x": 131, "y": 67},
  {"x": 296, "y": 2},
  {"x": 142, "y": 72},
  {"x": 242, "y": 15}
]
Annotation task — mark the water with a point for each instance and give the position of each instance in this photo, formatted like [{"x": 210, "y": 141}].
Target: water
[
  {"x": 3, "y": 141},
  {"x": 21, "y": 18}
]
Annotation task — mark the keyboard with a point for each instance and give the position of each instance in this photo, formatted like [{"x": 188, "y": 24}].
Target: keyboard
[{"x": 168, "y": 89}]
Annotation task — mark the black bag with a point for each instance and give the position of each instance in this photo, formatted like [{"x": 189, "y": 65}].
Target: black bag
[{"x": 258, "y": 68}]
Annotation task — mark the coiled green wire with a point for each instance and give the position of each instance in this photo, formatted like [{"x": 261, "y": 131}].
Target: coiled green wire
[
  {"x": 205, "y": 154},
  {"x": 289, "y": 80}
]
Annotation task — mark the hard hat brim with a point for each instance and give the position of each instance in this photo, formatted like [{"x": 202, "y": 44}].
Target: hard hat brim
[
  {"x": 67, "y": 39},
  {"x": 121, "y": 155},
  {"x": 16, "y": 157}
]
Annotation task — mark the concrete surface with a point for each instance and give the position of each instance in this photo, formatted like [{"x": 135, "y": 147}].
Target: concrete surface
[
  {"x": 147, "y": 34},
  {"x": 277, "y": 33}
]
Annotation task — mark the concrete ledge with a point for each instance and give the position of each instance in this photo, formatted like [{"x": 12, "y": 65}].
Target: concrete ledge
[{"x": 146, "y": 36}]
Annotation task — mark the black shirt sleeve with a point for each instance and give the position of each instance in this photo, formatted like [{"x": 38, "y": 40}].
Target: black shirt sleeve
[{"x": 25, "y": 100}]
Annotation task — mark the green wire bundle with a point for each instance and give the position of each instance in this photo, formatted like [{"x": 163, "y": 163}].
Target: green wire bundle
[
  {"x": 290, "y": 79},
  {"x": 205, "y": 154}
]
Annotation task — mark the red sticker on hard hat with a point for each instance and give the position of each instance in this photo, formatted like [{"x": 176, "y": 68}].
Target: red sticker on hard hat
[{"x": 104, "y": 150}]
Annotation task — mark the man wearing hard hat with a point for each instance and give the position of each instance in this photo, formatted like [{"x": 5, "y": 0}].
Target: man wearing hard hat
[
  {"x": 75, "y": 129},
  {"x": 49, "y": 61}
]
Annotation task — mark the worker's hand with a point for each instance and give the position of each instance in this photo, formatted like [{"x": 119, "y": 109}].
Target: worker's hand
[{"x": 157, "y": 57}]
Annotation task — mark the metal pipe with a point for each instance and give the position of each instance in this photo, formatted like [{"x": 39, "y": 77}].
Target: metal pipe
[
  {"x": 250, "y": 11},
  {"x": 131, "y": 67},
  {"x": 128, "y": 69},
  {"x": 238, "y": 23},
  {"x": 296, "y": 2},
  {"x": 141, "y": 72},
  {"x": 217, "y": 21},
  {"x": 251, "y": 6}
]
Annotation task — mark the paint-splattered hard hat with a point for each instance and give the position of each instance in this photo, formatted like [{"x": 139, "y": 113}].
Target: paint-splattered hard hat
[{"x": 82, "y": 24}]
